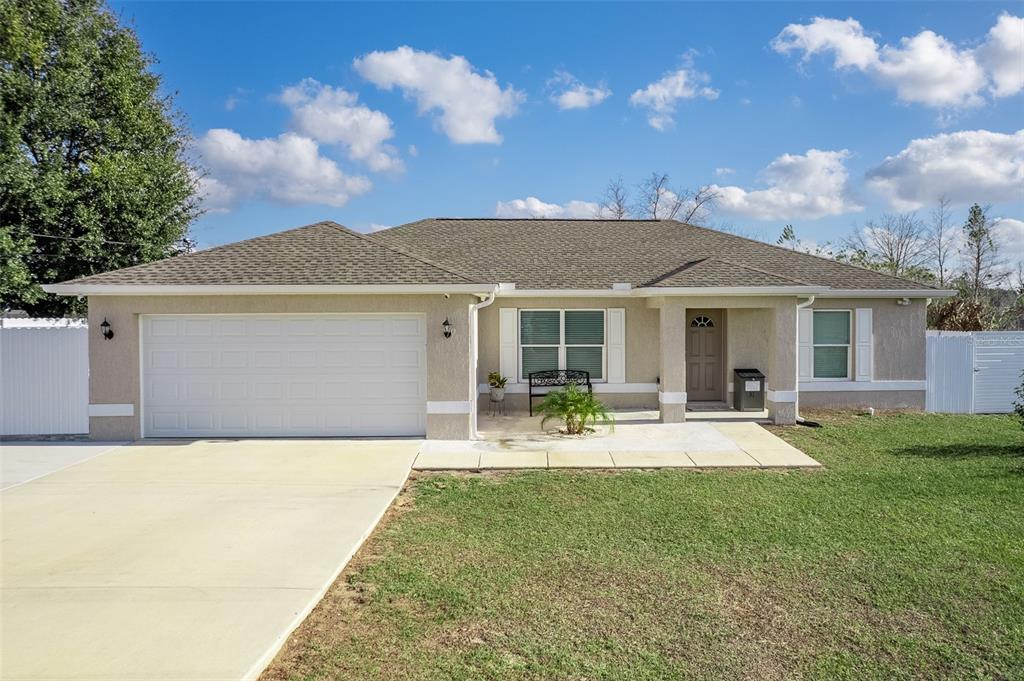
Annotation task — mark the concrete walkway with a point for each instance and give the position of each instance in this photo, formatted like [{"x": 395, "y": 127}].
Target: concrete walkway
[
  {"x": 22, "y": 462},
  {"x": 181, "y": 560},
  {"x": 635, "y": 442}
]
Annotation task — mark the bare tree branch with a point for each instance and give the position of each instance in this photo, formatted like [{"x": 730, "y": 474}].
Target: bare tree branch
[
  {"x": 616, "y": 201},
  {"x": 702, "y": 203},
  {"x": 941, "y": 240},
  {"x": 895, "y": 243},
  {"x": 655, "y": 200}
]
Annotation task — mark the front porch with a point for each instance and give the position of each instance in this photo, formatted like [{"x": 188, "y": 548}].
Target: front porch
[
  {"x": 638, "y": 440},
  {"x": 667, "y": 354}
]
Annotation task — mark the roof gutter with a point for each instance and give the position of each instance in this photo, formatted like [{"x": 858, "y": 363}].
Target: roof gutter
[
  {"x": 474, "y": 311},
  {"x": 72, "y": 289},
  {"x": 888, "y": 293},
  {"x": 796, "y": 349}
]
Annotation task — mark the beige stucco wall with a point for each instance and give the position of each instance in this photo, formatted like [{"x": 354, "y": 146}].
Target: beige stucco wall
[
  {"x": 647, "y": 360},
  {"x": 641, "y": 332},
  {"x": 747, "y": 341},
  {"x": 899, "y": 331},
  {"x": 642, "y": 347},
  {"x": 114, "y": 364},
  {"x": 900, "y": 347},
  {"x": 879, "y": 399},
  {"x": 760, "y": 332}
]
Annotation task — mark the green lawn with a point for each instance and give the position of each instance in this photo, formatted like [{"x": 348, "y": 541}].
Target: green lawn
[{"x": 903, "y": 558}]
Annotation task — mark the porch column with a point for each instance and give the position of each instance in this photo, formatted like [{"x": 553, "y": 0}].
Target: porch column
[
  {"x": 672, "y": 337},
  {"x": 782, "y": 388}
]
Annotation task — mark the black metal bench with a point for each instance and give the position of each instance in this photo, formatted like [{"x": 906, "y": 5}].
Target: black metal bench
[{"x": 557, "y": 378}]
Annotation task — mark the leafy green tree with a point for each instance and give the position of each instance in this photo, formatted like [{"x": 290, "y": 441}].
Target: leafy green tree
[
  {"x": 93, "y": 168},
  {"x": 980, "y": 253}
]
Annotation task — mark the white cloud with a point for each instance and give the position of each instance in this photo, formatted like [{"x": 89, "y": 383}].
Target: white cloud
[
  {"x": 532, "y": 207},
  {"x": 966, "y": 166},
  {"x": 1002, "y": 55},
  {"x": 287, "y": 169},
  {"x": 573, "y": 94},
  {"x": 661, "y": 96},
  {"x": 926, "y": 68},
  {"x": 1009, "y": 238},
  {"x": 376, "y": 227},
  {"x": 806, "y": 186},
  {"x": 413, "y": 151},
  {"x": 236, "y": 98},
  {"x": 469, "y": 101},
  {"x": 720, "y": 172},
  {"x": 334, "y": 116}
]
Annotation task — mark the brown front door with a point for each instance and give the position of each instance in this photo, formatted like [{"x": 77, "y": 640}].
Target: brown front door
[{"x": 704, "y": 356}]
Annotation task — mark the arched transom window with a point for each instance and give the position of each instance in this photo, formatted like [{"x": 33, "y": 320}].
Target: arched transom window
[{"x": 702, "y": 321}]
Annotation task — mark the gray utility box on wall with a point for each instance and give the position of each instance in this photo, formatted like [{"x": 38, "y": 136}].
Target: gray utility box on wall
[{"x": 748, "y": 390}]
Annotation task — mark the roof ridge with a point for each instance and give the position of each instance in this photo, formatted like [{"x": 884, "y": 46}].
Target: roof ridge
[
  {"x": 540, "y": 220},
  {"x": 809, "y": 255},
  {"x": 387, "y": 247},
  {"x": 674, "y": 271}
]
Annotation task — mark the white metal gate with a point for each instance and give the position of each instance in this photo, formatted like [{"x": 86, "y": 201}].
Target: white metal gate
[{"x": 973, "y": 373}]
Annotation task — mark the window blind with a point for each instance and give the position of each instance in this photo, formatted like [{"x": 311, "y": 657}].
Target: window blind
[
  {"x": 584, "y": 327},
  {"x": 539, "y": 327}
]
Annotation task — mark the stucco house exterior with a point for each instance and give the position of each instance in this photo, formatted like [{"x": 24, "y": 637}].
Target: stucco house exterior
[{"x": 321, "y": 330}]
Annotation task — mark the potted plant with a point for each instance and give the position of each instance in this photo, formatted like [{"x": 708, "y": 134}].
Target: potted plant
[
  {"x": 578, "y": 409},
  {"x": 497, "y": 383}
]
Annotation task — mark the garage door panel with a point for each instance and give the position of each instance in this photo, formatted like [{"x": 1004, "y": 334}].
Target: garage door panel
[
  {"x": 197, "y": 359},
  {"x": 284, "y": 375}
]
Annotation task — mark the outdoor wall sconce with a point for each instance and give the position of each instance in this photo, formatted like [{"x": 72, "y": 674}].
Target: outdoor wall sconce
[
  {"x": 448, "y": 328},
  {"x": 105, "y": 329}
]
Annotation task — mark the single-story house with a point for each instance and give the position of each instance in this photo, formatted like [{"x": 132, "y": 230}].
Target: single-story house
[{"x": 323, "y": 331}]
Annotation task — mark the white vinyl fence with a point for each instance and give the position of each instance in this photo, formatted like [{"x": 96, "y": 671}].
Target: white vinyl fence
[
  {"x": 973, "y": 372},
  {"x": 44, "y": 377}
]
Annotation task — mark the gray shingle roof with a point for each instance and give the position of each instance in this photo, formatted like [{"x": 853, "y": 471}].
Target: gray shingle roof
[
  {"x": 533, "y": 254},
  {"x": 699, "y": 272},
  {"x": 324, "y": 253},
  {"x": 594, "y": 254}
]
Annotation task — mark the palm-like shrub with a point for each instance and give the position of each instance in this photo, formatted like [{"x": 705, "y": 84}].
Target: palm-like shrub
[{"x": 576, "y": 408}]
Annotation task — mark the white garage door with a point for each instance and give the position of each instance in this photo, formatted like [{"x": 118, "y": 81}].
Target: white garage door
[{"x": 283, "y": 375}]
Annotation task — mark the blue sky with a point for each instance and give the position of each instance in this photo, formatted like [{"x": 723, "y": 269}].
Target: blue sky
[{"x": 731, "y": 87}]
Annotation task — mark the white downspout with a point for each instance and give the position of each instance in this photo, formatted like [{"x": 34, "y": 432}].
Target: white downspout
[
  {"x": 474, "y": 314},
  {"x": 796, "y": 404}
]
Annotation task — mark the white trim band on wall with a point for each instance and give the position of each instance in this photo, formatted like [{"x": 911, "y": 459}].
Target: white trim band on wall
[
  {"x": 859, "y": 386},
  {"x": 524, "y": 388},
  {"x": 781, "y": 396},
  {"x": 671, "y": 398},
  {"x": 454, "y": 407},
  {"x": 111, "y": 410}
]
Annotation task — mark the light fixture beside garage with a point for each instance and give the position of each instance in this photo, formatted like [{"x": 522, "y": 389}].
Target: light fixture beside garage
[
  {"x": 448, "y": 328},
  {"x": 105, "y": 329}
]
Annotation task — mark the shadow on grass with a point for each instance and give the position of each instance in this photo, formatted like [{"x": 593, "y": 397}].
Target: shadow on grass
[{"x": 963, "y": 451}]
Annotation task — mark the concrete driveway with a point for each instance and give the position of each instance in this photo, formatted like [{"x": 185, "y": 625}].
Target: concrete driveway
[{"x": 180, "y": 560}]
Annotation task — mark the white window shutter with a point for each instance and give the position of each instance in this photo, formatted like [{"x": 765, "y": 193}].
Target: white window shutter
[
  {"x": 865, "y": 354},
  {"x": 508, "y": 334},
  {"x": 805, "y": 338},
  {"x": 616, "y": 341}
]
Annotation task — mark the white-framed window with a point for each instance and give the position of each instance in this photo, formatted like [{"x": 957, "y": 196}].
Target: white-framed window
[
  {"x": 562, "y": 339},
  {"x": 831, "y": 333}
]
